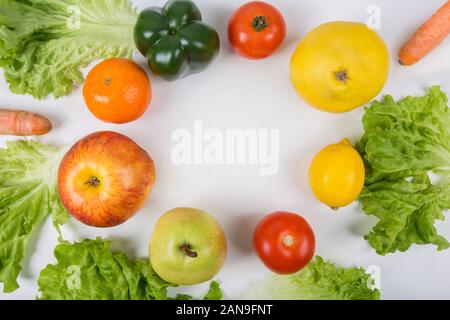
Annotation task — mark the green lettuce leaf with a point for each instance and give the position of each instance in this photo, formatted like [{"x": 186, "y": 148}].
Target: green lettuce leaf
[
  {"x": 44, "y": 43},
  {"x": 90, "y": 271},
  {"x": 404, "y": 142},
  {"x": 214, "y": 293},
  {"x": 320, "y": 280},
  {"x": 28, "y": 195}
]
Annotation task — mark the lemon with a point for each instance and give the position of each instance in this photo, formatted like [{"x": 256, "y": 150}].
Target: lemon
[{"x": 337, "y": 175}]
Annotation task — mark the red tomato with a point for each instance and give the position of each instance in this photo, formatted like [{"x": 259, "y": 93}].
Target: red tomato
[
  {"x": 284, "y": 242},
  {"x": 256, "y": 30}
]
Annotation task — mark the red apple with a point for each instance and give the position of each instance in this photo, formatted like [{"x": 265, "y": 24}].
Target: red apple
[{"x": 104, "y": 179}]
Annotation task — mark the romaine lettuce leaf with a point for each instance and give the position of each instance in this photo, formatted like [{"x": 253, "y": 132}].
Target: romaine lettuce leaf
[
  {"x": 320, "y": 280},
  {"x": 88, "y": 270},
  {"x": 28, "y": 195},
  {"x": 404, "y": 142},
  {"x": 44, "y": 43}
]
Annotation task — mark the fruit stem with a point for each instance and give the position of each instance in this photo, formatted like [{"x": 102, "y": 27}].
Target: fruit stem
[
  {"x": 187, "y": 251},
  {"x": 259, "y": 23},
  {"x": 342, "y": 76},
  {"x": 288, "y": 240},
  {"x": 93, "y": 181}
]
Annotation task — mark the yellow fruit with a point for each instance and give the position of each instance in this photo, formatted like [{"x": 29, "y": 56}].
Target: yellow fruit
[
  {"x": 340, "y": 66},
  {"x": 337, "y": 175}
]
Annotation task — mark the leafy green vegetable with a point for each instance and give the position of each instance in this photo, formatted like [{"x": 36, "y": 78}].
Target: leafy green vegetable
[
  {"x": 43, "y": 43},
  {"x": 88, "y": 270},
  {"x": 320, "y": 280},
  {"x": 214, "y": 293},
  {"x": 403, "y": 143},
  {"x": 28, "y": 194}
]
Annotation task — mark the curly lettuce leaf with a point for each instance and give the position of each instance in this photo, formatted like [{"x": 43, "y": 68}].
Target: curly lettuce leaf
[
  {"x": 407, "y": 211},
  {"x": 44, "y": 43},
  {"x": 403, "y": 143},
  {"x": 28, "y": 195},
  {"x": 88, "y": 270},
  {"x": 320, "y": 280},
  {"x": 214, "y": 292}
]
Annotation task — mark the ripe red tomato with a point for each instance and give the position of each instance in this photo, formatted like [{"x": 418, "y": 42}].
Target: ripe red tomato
[
  {"x": 285, "y": 242},
  {"x": 256, "y": 30}
]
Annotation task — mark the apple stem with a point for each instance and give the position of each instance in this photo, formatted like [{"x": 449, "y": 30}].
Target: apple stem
[
  {"x": 259, "y": 23},
  {"x": 187, "y": 251},
  {"x": 93, "y": 181}
]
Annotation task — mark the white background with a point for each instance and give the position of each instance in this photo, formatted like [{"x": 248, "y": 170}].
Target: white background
[{"x": 238, "y": 93}]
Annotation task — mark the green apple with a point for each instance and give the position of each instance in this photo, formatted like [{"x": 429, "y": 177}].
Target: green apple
[{"x": 187, "y": 247}]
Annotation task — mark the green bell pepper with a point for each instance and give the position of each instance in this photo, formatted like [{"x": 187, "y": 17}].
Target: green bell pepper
[{"x": 175, "y": 40}]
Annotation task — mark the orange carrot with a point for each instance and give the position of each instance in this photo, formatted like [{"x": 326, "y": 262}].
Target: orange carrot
[
  {"x": 22, "y": 123},
  {"x": 428, "y": 37}
]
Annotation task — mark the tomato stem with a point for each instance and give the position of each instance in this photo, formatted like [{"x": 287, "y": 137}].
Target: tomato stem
[
  {"x": 288, "y": 240},
  {"x": 187, "y": 251},
  {"x": 259, "y": 23}
]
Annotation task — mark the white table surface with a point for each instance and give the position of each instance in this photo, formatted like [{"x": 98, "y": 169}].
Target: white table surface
[{"x": 237, "y": 93}]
